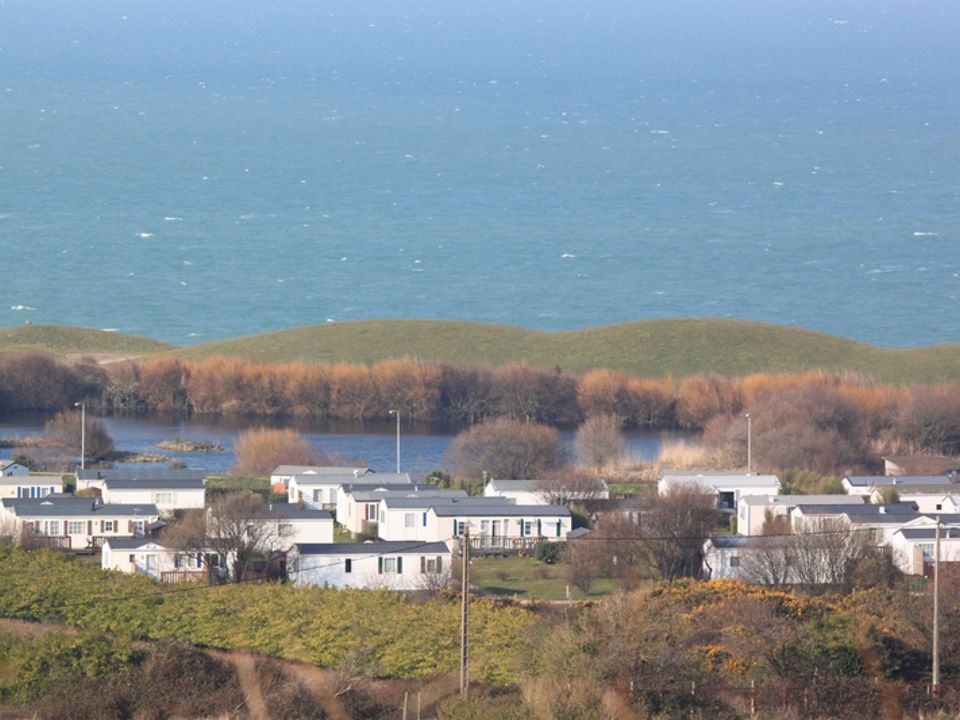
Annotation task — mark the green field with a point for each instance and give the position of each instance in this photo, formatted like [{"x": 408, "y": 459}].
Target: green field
[
  {"x": 530, "y": 579},
  {"x": 652, "y": 348}
]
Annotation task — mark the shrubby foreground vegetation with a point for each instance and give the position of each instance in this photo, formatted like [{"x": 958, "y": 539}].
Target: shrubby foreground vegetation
[{"x": 685, "y": 649}]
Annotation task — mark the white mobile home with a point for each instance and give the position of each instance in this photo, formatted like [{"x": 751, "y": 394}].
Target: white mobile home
[
  {"x": 727, "y": 486},
  {"x": 159, "y": 561},
  {"x": 358, "y": 506},
  {"x": 368, "y": 566},
  {"x": 878, "y": 521},
  {"x": 295, "y": 524},
  {"x": 539, "y": 492},
  {"x": 95, "y": 479},
  {"x": 406, "y": 518},
  {"x": 282, "y": 475},
  {"x": 29, "y": 486},
  {"x": 506, "y": 526},
  {"x": 322, "y": 491},
  {"x": 69, "y": 523},
  {"x": 752, "y": 510},
  {"x": 168, "y": 494},
  {"x": 914, "y": 546},
  {"x": 866, "y": 484}
]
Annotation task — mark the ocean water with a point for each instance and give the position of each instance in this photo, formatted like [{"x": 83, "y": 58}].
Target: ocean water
[{"x": 196, "y": 171}]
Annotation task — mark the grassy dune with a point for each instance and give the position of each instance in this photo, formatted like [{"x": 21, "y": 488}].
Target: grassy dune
[
  {"x": 651, "y": 348},
  {"x": 62, "y": 340}
]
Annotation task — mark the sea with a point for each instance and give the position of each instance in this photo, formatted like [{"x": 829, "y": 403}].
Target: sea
[{"x": 193, "y": 171}]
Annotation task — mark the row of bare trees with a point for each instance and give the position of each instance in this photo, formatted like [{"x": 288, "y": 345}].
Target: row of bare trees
[{"x": 838, "y": 419}]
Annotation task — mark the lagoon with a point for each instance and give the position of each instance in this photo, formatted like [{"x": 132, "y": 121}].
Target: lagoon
[{"x": 422, "y": 448}]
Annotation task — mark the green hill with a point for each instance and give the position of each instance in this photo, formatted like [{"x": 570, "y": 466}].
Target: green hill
[
  {"x": 62, "y": 340},
  {"x": 651, "y": 348}
]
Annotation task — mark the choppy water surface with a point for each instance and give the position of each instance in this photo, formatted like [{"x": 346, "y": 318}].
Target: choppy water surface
[{"x": 193, "y": 171}]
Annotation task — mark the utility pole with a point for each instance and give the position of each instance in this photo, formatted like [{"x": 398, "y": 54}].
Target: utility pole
[
  {"x": 749, "y": 445},
  {"x": 465, "y": 612},
  {"x": 935, "y": 681}
]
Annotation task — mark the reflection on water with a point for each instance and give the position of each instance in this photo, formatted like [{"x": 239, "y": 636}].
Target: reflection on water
[{"x": 422, "y": 446}]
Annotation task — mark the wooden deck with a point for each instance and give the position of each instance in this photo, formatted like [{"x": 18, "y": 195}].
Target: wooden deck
[
  {"x": 183, "y": 576},
  {"x": 485, "y": 545}
]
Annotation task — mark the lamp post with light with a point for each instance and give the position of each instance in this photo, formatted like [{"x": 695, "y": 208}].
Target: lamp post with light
[
  {"x": 83, "y": 432},
  {"x": 397, "y": 413}
]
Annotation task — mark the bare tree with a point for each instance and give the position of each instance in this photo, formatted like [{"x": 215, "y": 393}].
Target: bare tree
[
  {"x": 434, "y": 582},
  {"x": 675, "y": 529},
  {"x": 189, "y": 525},
  {"x": 599, "y": 441},
  {"x": 828, "y": 554},
  {"x": 65, "y": 430},
  {"x": 239, "y": 528},
  {"x": 769, "y": 556},
  {"x": 569, "y": 485},
  {"x": 768, "y": 560},
  {"x": 505, "y": 448},
  {"x": 931, "y": 418},
  {"x": 8, "y": 532},
  {"x": 614, "y": 548}
]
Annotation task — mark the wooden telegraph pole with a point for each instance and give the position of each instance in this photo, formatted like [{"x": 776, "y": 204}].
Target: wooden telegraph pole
[
  {"x": 465, "y": 612},
  {"x": 935, "y": 680}
]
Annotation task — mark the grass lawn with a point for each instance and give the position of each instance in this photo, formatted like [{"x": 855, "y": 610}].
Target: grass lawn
[
  {"x": 629, "y": 489},
  {"x": 238, "y": 482},
  {"x": 530, "y": 579},
  {"x": 217, "y": 484}
]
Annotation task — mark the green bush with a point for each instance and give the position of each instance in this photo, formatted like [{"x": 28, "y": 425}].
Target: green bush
[{"x": 549, "y": 552}]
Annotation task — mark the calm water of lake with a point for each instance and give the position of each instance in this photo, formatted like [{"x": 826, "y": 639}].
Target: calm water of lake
[{"x": 422, "y": 446}]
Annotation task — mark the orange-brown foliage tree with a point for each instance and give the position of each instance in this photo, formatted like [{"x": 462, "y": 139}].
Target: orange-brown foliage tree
[
  {"x": 409, "y": 386},
  {"x": 308, "y": 390},
  {"x": 259, "y": 451},
  {"x": 702, "y": 397},
  {"x": 641, "y": 402},
  {"x": 216, "y": 386},
  {"x": 353, "y": 392},
  {"x": 163, "y": 385}
]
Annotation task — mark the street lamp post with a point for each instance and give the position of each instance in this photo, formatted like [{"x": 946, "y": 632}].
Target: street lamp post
[
  {"x": 83, "y": 432},
  {"x": 749, "y": 445},
  {"x": 397, "y": 413}
]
